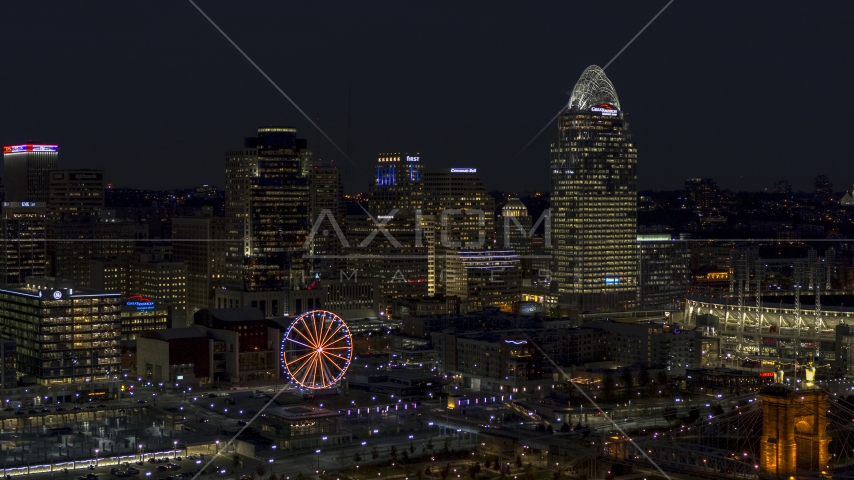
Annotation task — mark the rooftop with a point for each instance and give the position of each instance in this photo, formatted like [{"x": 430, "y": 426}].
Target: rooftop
[
  {"x": 299, "y": 412},
  {"x": 239, "y": 314}
]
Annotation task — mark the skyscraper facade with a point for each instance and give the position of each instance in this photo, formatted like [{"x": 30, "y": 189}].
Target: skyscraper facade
[
  {"x": 27, "y": 171},
  {"x": 22, "y": 250},
  {"x": 75, "y": 202},
  {"x": 594, "y": 199},
  {"x": 267, "y": 212},
  {"x": 398, "y": 259},
  {"x": 201, "y": 247},
  {"x": 327, "y": 199}
]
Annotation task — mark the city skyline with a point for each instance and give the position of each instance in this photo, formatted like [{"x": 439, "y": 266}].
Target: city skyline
[{"x": 147, "y": 103}]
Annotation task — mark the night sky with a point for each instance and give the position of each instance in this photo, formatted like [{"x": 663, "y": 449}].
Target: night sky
[{"x": 744, "y": 92}]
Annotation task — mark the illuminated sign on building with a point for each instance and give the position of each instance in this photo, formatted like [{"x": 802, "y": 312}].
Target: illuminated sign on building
[
  {"x": 30, "y": 148},
  {"x": 57, "y": 295},
  {"x": 412, "y": 159},
  {"x": 604, "y": 109},
  {"x": 516, "y": 342},
  {"x": 28, "y": 204},
  {"x": 463, "y": 170},
  {"x": 766, "y": 374},
  {"x": 140, "y": 302}
]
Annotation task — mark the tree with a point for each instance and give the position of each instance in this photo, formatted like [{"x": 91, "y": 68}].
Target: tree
[
  {"x": 608, "y": 386},
  {"x": 550, "y": 429},
  {"x": 626, "y": 379},
  {"x": 530, "y": 473},
  {"x": 445, "y": 471},
  {"x": 273, "y": 476},
  {"x": 486, "y": 463},
  {"x": 411, "y": 448},
  {"x": 693, "y": 415},
  {"x": 260, "y": 470},
  {"x": 235, "y": 460},
  {"x": 357, "y": 458},
  {"x": 662, "y": 378},
  {"x": 375, "y": 453},
  {"x": 670, "y": 414},
  {"x": 445, "y": 448},
  {"x": 578, "y": 426},
  {"x": 565, "y": 427},
  {"x": 405, "y": 456},
  {"x": 497, "y": 465},
  {"x": 518, "y": 462},
  {"x": 429, "y": 444},
  {"x": 392, "y": 453},
  {"x": 556, "y": 476},
  {"x": 717, "y": 410},
  {"x": 300, "y": 476},
  {"x": 474, "y": 470},
  {"x": 644, "y": 379},
  {"x": 427, "y": 471}
]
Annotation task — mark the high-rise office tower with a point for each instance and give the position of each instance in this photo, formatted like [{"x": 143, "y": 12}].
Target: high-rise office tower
[
  {"x": 28, "y": 170},
  {"x": 75, "y": 201},
  {"x": 75, "y": 195},
  {"x": 594, "y": 199},
  {"x": 22, "y": 249},
  {"x": 664, "y": 271},
  {"x": 198, "y": 242},
  {"x": 514, "y": 232},
  {"x": 464, "y": 211},
  {"x": 267, "y": 209},
  {"x": 823, "y": 187},
  {"x": 702, "y": 193},
  {"x": 327, "y": 199},
  {"x": 399, "y": 185},
  {"x": 464, "y": 217},
  {"x": 58, "y": 340},
  {"x": 399, "y": 260}
]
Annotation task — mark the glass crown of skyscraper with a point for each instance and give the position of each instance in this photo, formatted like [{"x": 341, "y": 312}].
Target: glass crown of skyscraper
[{"x": 593, "y": 88}]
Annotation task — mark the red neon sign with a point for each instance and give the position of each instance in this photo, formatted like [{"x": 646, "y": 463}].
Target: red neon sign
[{"x": 766, "y": 374}]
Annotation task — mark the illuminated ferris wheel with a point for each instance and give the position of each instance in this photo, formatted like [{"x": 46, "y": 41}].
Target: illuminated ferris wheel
[{"x": 317, "y": 349}]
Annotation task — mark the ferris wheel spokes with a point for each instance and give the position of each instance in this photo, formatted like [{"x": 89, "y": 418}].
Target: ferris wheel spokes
[{"x": 316, "y": 349}]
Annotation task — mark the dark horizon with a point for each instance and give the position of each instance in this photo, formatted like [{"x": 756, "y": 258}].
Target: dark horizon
[{"x": 155, "y": 96}]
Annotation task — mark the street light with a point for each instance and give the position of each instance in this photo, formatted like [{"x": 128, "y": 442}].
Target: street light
[
  {"x": 96, "y": 457},
  {"x": 175, "y": 448}
]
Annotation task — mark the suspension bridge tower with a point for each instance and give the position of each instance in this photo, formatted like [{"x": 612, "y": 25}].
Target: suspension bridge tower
[{"x": 794, "y": 428}]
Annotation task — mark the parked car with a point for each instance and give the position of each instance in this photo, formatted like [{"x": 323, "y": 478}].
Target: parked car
[
  {"x": 241, "y": 422},
  {"x": 114, "y": 470},
  {"x": 132, "y": 470},
  {"x": 19, "y": 412},
  {"x": 212, "y": 395},
  {"x": 204, "y": 420},
  {"x": 8, "y": 409},
  {"x": 161, "y": 468},
  {"x": 33, "y": 411},
  {"x": 60, "y": 409},
  {"x": 141, "y": 402}
]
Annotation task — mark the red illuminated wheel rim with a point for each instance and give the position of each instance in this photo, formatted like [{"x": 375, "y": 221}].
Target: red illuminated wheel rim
[{"x": 317, "y": 349}]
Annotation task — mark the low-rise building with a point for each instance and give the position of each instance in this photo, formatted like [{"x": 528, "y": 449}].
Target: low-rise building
[{"x": 303, "y": 426}]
